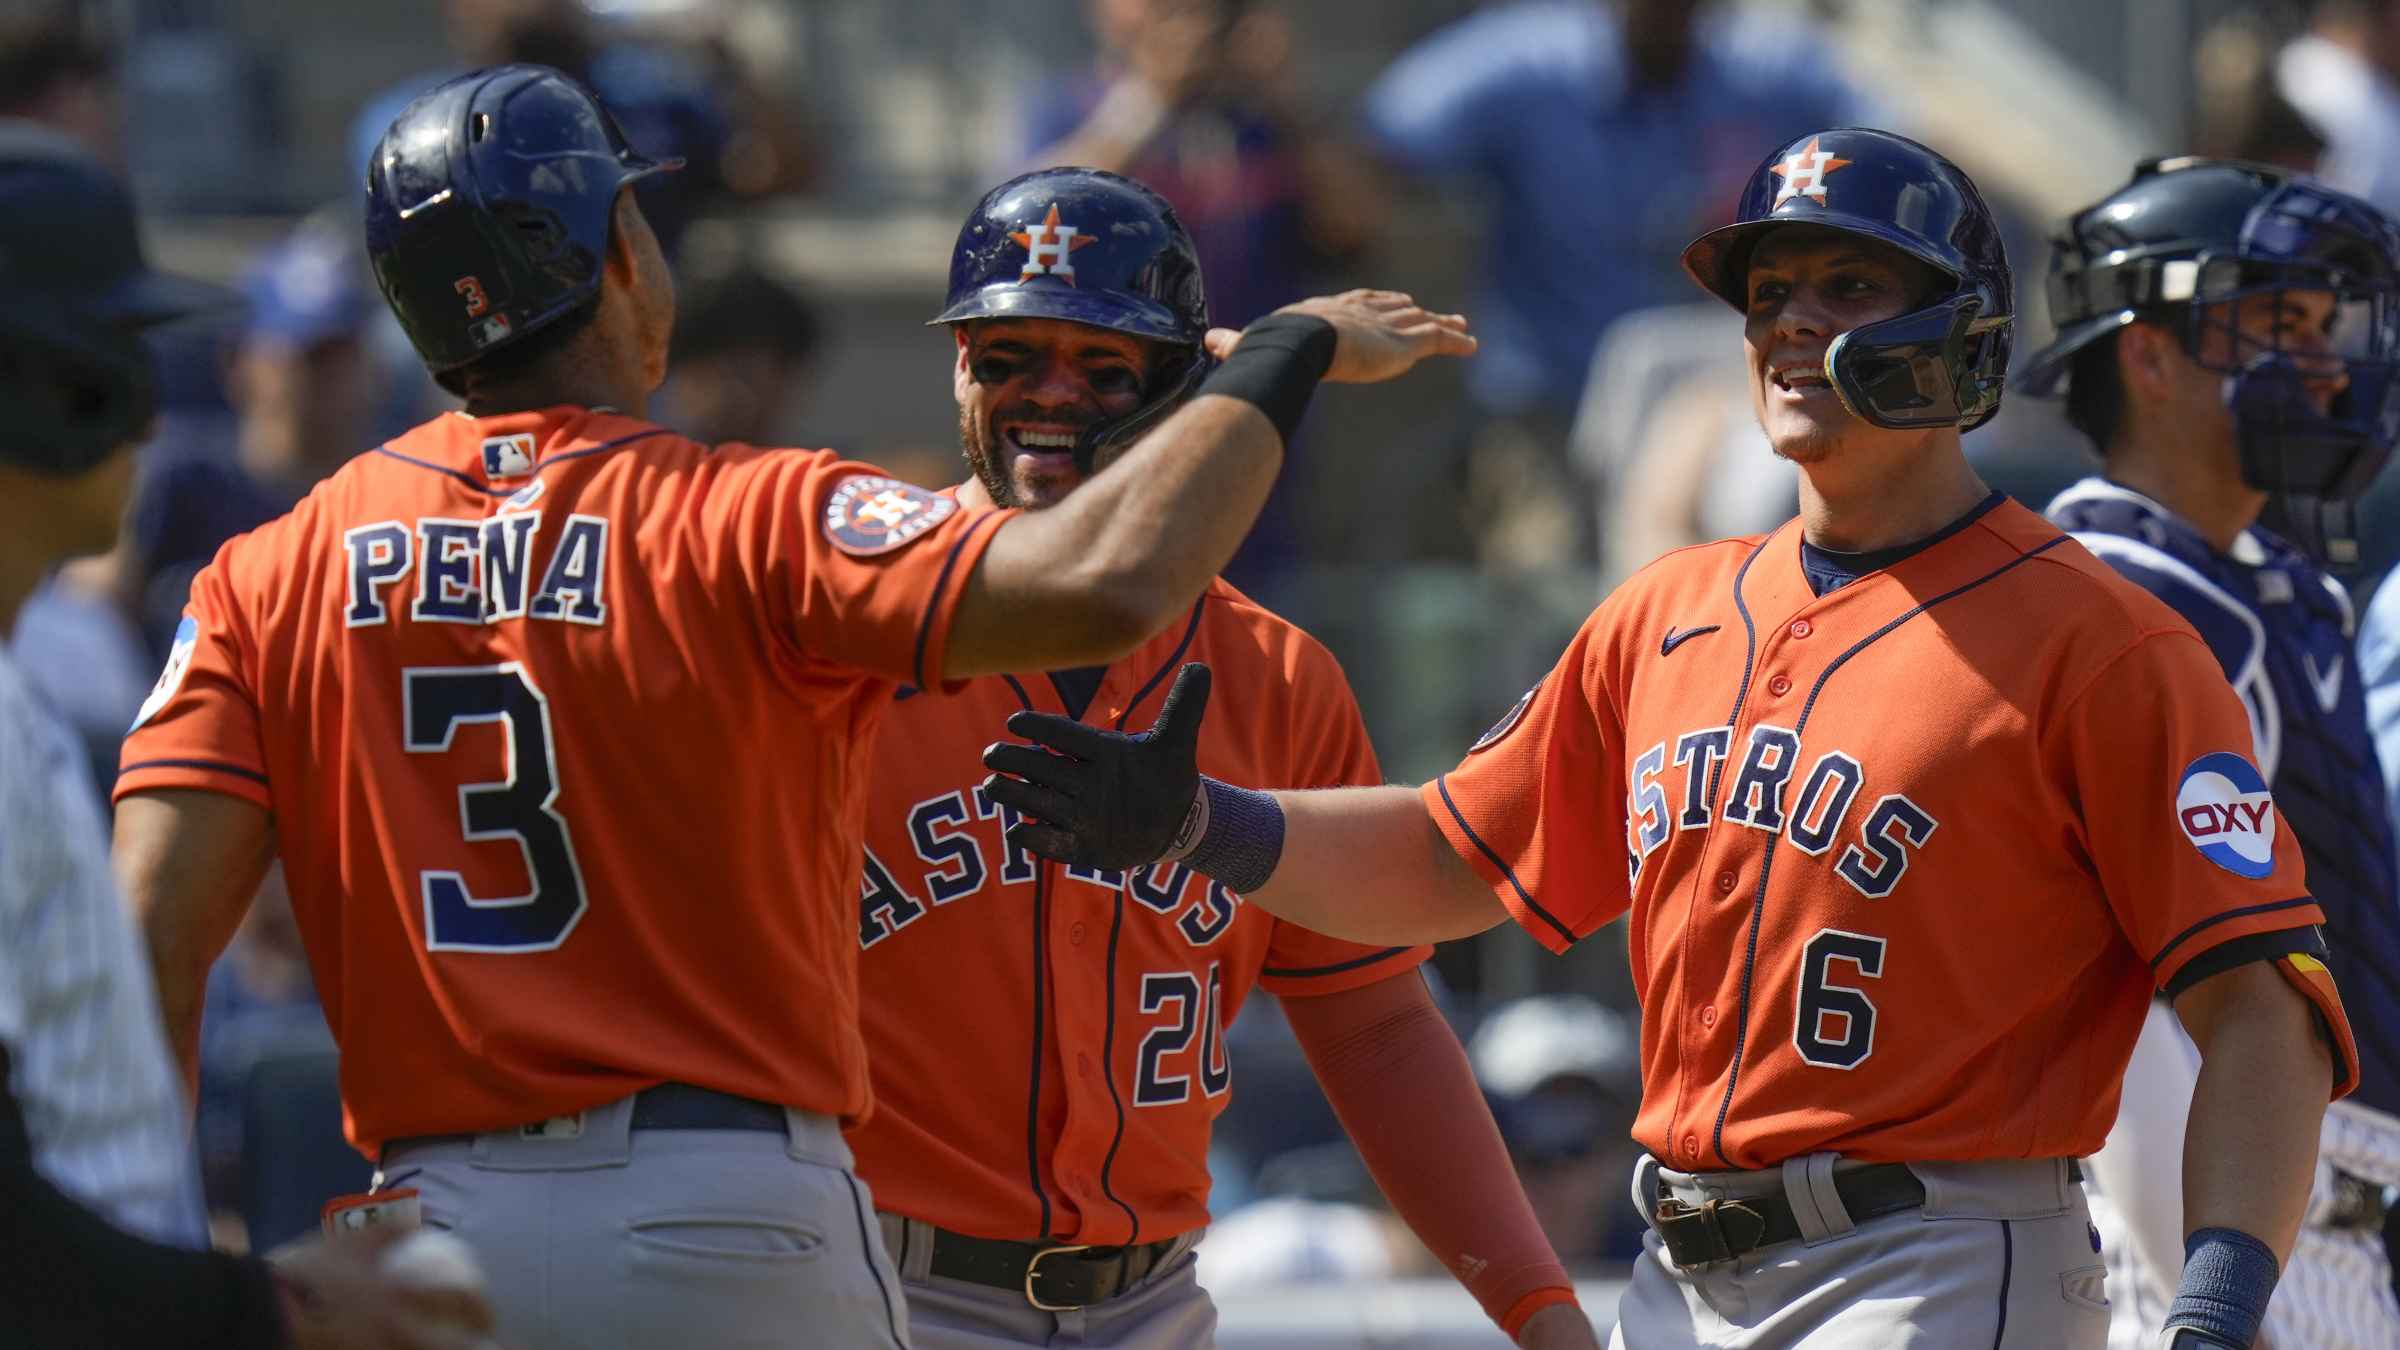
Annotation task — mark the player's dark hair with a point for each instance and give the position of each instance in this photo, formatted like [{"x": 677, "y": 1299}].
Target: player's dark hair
[
  {"x": 2096, "y": 392},
  {"x": 519, "y": 358}
]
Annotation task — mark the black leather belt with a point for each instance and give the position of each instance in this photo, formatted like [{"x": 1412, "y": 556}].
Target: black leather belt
[
  {"x": 1052, "y": 1276},
  {"x": 1721, "y": 1230},
  {"x": 668, "y": 1106},
  {"x": 680, "y": 1106}
]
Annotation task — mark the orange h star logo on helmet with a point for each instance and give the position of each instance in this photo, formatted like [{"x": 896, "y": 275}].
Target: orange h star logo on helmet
[
  {"x": 1048, "y": 247},
  {"x": 1804, "y": 173}
]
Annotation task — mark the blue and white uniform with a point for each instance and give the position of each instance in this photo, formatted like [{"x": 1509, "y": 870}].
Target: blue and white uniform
[
  {"x": 2283, "y": 631},
  {"x": 78, "y": 1015}
]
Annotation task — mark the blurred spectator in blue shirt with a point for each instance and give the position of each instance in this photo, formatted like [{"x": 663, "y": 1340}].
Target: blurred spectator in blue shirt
[
  {"x": 1600, "y": 138},
  {"x": 300, "y": 390},
  {"x": 1197, "y": 99}
]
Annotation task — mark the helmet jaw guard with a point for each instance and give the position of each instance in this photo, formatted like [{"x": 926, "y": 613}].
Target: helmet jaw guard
[
  {"x": 1940, "y": 365},
  {"x": 1086, "y": 246},
  {"x": 1935, "y": 367}
]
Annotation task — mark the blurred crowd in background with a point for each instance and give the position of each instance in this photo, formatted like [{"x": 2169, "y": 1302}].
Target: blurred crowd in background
[{"x": 1538, "y": 164}]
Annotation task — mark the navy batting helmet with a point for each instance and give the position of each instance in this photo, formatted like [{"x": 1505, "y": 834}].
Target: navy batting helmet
[
  {"x": 2188, "y": 237},
  {"x": 1087, "y": 246},
  {"x": 1941, "y": 365},
  {"x": 488, "y": 208},
  {"x": 75, "y": 293}
]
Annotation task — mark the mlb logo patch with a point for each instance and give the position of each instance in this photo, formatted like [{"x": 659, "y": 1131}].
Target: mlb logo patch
[
  {"x": 869, "y": 514},
  {"x": 2224, "y": 809},
  {"x": 508, "y": 456}
]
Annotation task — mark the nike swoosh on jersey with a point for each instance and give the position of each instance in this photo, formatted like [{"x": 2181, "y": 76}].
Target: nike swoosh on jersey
[
  {"x": 2328, "y": 683},
  {"x": 1674, "y": 639}
]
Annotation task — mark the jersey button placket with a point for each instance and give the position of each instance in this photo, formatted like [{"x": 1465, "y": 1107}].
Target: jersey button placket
[
  {"x": 1779, "y": 686},
  {"x": 1726, "y": 881},
  {"x": 1708, "y": 1016}
]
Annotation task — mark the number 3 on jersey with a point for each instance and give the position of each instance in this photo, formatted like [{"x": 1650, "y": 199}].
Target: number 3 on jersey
[{"x": 522, "y": 808}]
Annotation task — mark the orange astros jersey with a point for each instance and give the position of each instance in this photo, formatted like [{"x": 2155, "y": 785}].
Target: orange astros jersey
[
  {"x": 1904, "y": 862},
  {"x": 1048, "y": 1043},
  {"x": 563, "y": 720}
]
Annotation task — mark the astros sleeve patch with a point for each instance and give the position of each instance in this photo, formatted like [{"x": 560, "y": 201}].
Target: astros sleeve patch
[{"x": 868, "y": 514}]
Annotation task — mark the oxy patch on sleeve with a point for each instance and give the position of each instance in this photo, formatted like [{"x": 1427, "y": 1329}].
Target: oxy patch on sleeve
[
  {"x": 870, "y": 514},
  {"x": 2224, "y": 808}
]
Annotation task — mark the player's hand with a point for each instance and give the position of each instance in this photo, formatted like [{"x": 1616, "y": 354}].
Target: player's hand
[
  {"x": 2192, "y": 1338},
  {"x": 1097, "y": 798},
  {"x": 1377, "y": 334},
  {"x": 1561, "y": 1326},
  {"x": 337, "y": 1296}
]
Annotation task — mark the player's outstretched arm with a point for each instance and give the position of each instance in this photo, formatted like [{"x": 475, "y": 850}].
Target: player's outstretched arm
[
  {"x": 1090, "y": 579},
  {"x": 1400, "y": 1082},
  {"x": 1366, "y": 864},
  {"x": 2250, "y": 1146},
  {"x": 189, "y": 863}
]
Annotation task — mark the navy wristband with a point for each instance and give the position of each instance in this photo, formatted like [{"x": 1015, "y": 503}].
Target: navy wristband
[
  {"x": 1276, "y": 368},
  {"x": 1231, "y": 834},
  {"x": 2228, "y": 1276}
]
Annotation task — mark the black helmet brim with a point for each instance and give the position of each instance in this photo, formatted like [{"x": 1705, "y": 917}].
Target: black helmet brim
[{"x": 2045, "y": 370}]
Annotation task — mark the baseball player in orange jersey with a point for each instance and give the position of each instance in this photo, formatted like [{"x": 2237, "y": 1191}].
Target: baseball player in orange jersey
[
  {"x": 560, "y": 722},
  {"x": 1912, "y": 805},
  {"x": 1047, "y": 1177}
]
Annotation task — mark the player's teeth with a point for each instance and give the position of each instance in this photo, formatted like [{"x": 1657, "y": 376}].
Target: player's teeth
[{"x": 1044, "y": 440}]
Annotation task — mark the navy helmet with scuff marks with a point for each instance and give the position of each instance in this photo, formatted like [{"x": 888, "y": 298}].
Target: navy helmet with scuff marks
[
  {"x": 1939, "y": 365},
  {"x": 489, "y": 201},
  {"x": 1090, "y": 247}
]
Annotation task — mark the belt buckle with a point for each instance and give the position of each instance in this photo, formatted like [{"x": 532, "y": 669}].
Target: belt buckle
[
  {"x": 1711, "y": 1215},
  {"x": 1033, "y": 1270}
]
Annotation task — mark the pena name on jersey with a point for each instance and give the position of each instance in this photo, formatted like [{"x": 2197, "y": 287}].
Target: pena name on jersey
[
  {"x": 1904, "y": 861},
  {"x": 562, "y": 718},
  {"x": 1048, "y": 1043}
]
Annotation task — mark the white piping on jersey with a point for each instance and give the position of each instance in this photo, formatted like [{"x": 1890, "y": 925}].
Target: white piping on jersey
[{"x": 2250, "y": 681}]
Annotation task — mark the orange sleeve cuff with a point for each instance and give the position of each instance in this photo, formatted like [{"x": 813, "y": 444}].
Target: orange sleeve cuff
[
  {"x": 1522, "y": 1311},
  {"x": 1401, "y": 1084},
  {"x": 2315, "y": 983}
]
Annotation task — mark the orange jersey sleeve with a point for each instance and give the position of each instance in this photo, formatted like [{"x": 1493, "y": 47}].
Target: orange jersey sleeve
[
  {"x": 1520, "y": 807},
  {"x": 200, "y": 726},
  {"x": 832, "y": 548},
  {"x": 2199, "y": 866}
]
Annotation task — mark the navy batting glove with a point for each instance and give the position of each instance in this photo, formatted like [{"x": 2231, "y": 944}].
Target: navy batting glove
[
  {"x": 1103, "y": 799},
  {"x": 2228, "y": 1276}
]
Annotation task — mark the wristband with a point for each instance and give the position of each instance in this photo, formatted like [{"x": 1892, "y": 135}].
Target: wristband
[
  {"x": 1231, "y": 834},
  {"x": 2228, "y": 1276},
  {"x": 1276, "y": 368}
]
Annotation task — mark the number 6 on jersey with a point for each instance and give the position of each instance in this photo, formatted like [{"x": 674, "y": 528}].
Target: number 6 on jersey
[{"x": 521, "y": 808}]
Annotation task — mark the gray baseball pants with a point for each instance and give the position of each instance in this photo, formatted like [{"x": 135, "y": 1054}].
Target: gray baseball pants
[
  {"x": 1168, "y": 1310},
  {"x": 596, "y": 1236},
  {"x": 2001, "y": 1255}
]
